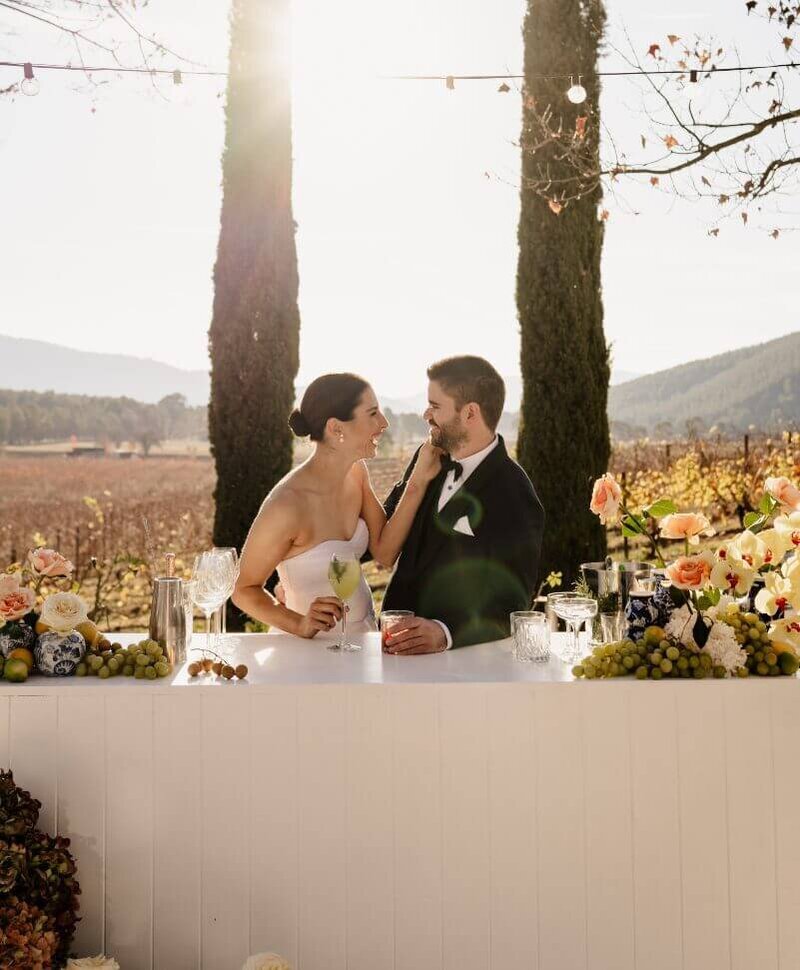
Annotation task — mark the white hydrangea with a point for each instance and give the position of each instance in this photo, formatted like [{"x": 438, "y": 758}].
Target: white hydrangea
[
  {"x": 680, "y": 626},
  {"x": 722, "y": 645},
  {"x": 724, "y": 648}
]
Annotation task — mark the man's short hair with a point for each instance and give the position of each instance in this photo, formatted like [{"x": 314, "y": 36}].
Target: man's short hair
[{"x": 471, "y": 379}]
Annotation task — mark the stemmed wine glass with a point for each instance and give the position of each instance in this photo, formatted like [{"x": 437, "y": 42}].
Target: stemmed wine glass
[
  {"x": 213, "y": 580},
  {"x": 220, "y": 615},
  {"x": 575, "y": 609},
  {"x": 344, "y": 575}
]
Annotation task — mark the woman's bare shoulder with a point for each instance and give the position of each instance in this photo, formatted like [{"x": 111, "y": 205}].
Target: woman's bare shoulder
[{"x": 286, "y": 501}]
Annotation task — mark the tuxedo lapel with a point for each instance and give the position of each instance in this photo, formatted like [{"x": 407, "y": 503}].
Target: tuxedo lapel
[
  {"x": 416, "y": 544},
  {"x": 467, "y": 501}
]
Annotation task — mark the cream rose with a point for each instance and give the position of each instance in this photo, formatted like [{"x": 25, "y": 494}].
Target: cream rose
[
  {"x": 606, "y": 498},
  {"x": 784, "y": 491},
  {"x": 686, "y": 525},
  {"x": 48, "y": 562},
  {"x": 63, "y": 612},
  {"x": 15, "y": 600},
  {"x": 690, "y": 572}
]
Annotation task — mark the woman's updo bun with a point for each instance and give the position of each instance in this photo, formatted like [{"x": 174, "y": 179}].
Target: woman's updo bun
[
  {"x": 298, "y": 424},
  {"x": 329, "y": 396}
]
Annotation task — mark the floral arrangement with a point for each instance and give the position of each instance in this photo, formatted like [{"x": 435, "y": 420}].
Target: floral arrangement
[
  {"x": 732, "y": 610},
  {"x": 43, "y": 621},
  {"x": 38, "y": 889}
]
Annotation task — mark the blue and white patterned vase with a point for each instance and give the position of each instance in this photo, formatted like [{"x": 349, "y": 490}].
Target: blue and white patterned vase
[
  {"x": 14, "y": 635},
  {"x": 58, "y": 654},
  {"x": 662, "y": 600},
  {"x": 640, "y": 612}
]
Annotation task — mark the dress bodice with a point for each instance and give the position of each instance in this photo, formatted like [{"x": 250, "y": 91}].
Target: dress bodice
[{"x": 305, "y": 576}]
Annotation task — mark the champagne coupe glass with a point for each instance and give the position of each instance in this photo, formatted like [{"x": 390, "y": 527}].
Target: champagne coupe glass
[
  {"x": 220, "y": 616},
  {"x": 575, "y": 609},
  {"x": 212, "y": 585},
  {"x": 344, "y": 575}
]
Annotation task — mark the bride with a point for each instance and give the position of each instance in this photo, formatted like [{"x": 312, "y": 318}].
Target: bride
[{"x": 327, "y": 506}]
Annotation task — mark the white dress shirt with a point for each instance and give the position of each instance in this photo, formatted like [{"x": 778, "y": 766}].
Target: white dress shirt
[{"x": 449, "y": 488}]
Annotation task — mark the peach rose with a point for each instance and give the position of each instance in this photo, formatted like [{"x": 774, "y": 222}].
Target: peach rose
[
  {"x": 48, "y": 562},
  {"x": 690, "y": 572},
  {"x": 606, "y": 498},
  {"x": 686, "y": 525},
  {"x": 15, "y": 601},
  {"x": 784, "y": 492}
]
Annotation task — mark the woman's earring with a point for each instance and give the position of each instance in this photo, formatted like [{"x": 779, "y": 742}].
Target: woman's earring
[{"x": 341, "y": 439}]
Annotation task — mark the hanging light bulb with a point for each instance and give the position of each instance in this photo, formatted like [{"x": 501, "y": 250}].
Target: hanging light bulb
[
  {"x": 30, "y": 85},
  {"x": 576, "y": 92}
]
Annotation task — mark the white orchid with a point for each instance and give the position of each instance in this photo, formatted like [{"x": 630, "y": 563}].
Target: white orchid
[
  {"x": 788, "y": 527},
  {"x": 730, "y": 574},
  {"x": 778, "y": 593},
  {"x": 776, "y": 545},
  {"x": 786, "y": 631},
  {"x": 750, "y": 548}
]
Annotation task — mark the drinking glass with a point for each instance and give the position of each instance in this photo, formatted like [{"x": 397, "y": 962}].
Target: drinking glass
[
  {"x": 644, "y": 581},
  {"x": 213, "y": 585},
  {"x": 575, "y": 609},
  {"x": 614, "y": 626},
  {"x": 555, "y": 622},
  {"x": 531, "y": 637},
  {"x": 221, "y": 614},
  {"x": 188, "y": 606},
  {"x": 389, "y": 620},
  {"x": 344, "y": 575}
]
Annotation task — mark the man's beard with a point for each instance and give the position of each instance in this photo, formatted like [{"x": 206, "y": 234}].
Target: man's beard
[{"x": 448, "y": 436}]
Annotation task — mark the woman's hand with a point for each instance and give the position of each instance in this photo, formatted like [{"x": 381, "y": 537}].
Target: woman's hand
[
  {"x": 323, "y": 615},
  {"x": 429, "y": 462}
]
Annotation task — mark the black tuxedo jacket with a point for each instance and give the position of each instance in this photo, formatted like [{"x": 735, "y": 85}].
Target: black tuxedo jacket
[{"x": 471, "y": 583}]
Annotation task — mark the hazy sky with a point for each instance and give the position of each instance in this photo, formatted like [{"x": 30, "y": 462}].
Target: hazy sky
[{"x": 407, "y": 251}]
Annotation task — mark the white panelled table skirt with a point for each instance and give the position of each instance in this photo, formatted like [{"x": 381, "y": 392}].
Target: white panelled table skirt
[{"x": 460, "y": 811}]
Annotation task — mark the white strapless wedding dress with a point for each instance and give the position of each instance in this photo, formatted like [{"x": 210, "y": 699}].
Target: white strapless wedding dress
[{"x": 305, "y": 577}]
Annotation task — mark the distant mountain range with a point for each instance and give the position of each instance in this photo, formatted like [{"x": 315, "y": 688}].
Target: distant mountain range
[
  {"x": 757, "y": 385},
  {"x": 34, "y": 365}
]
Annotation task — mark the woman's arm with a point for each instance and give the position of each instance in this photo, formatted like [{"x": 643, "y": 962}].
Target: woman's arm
[
  {"x": 268, "y": 542},
  {"x": 386, "y": 538}
]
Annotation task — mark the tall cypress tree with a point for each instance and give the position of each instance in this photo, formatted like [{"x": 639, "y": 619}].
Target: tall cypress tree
[
  {"x": 563, "y": 439},
  {"x": 254, "y": 335}
]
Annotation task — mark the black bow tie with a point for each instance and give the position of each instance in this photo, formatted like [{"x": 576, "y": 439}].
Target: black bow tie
[{"x": 455, "y": 467}]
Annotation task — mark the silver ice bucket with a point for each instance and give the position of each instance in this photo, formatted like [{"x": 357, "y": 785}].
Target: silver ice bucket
[{"x": 168, "y": 617}]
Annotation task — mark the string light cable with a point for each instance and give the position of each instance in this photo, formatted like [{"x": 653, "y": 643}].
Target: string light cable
[{"x": 576, "y": 92}]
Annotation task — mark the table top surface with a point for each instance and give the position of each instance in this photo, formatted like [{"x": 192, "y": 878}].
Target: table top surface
[
  {"x": 281, "y": 659},
  {"x": 275, "y": 660}
]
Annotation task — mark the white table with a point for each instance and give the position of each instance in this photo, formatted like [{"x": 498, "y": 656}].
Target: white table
[{"x": 456, "y": 811}]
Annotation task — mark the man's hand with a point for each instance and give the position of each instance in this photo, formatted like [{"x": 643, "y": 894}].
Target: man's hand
[{"x": 416, "y": 635}]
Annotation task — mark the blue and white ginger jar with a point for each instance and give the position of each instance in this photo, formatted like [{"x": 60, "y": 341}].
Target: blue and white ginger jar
[
  {"x": 640, "y": 612},
  {"x": 14, "y": 635},
  {"x": 58, "y": 654}
]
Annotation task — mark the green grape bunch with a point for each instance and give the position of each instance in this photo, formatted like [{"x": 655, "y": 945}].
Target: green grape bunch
[
  {"x": 142, "y": 661},
  {"x": 764, "y": 657},
  {"x": 654, "y": 657}
]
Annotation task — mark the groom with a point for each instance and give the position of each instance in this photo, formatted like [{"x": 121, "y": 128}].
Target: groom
[{"x": 472, "y": 555}]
